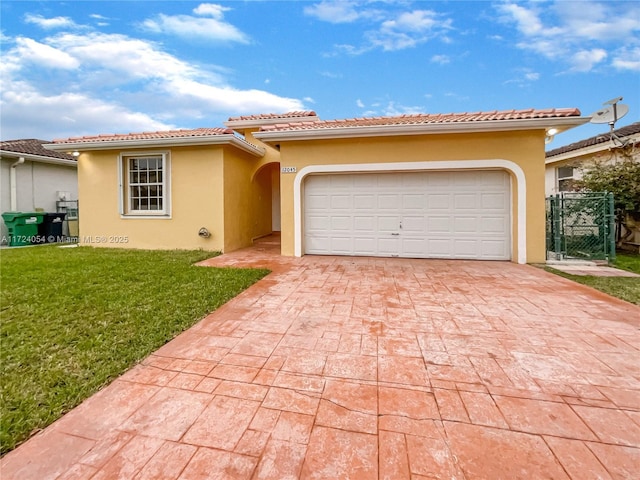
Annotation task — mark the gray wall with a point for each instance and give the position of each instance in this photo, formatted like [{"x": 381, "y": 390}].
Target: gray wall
[{"x": 38, "y": 185}]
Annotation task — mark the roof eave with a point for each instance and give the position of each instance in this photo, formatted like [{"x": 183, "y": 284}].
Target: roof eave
[
  {"x": 38, "y": 158},
  {"x": 590, "y": 150},
  {"x": 561, "y": 123},
  {"x": 227, "y": 139}
]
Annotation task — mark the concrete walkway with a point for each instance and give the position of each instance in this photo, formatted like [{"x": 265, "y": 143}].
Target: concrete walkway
[{"x": 337, "y": 368}]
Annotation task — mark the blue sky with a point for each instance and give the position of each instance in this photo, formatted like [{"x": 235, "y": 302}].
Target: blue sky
[{"x": 88, "y": 67}]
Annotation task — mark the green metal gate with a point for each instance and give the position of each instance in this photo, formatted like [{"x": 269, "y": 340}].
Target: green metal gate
[{"x": 581, "y": 226}]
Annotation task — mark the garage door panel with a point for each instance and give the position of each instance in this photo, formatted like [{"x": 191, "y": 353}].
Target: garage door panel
[
  {"x": 319, "y": 244},
  {"x": 465, "y": 201},
  {"x": 387, "y": 201},
  {"x": 438, "y": 179},
  {"x": 317, "y": 202},
  {"x": 412, "y": 247},
  {"x": 492, "y": 178},
  {"x": 364, "y": 202},
  {"x": 365, "y": 180},
  {"x": 439, "y": 224},
  {"x": 411, "y": 180},
  {"x": 388, "y": 247},
  {"x": 438, "y": 201},
  {"x": 412, "y": 214},
  {"x": 497, "y": 225},
  {"x": 341, "y": 224},
  {"x": 413, "y": 224},
  {"x": 497, "y": 201},
  {"x": 494, "y": 249},
  {"x": 341, "y": 182},
  {"x": 413, "y": 201},
  {"x": 465, "y": 248},
  {"x": 317, "y": 183},
  {"x": 390, "y": 181},
  {"x": 388, "y": 224},
  {"x": 364, "y": 246},
  {"x": 341, "y": 245},
  {"x": 320, "y": 223},
  {"x": 340, "y": 202},
  {"x": 465, "y": 225},
  {"x": 439, "y": 247},
  {"x": 364, "y": 223},
  {"x": 464, "y": 179}
]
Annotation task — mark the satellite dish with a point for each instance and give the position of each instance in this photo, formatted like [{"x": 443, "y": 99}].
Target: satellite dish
[{"x": 611, "y": 114}]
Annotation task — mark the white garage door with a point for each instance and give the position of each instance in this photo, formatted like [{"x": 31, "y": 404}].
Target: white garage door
[{"x": 460, "y": 214}]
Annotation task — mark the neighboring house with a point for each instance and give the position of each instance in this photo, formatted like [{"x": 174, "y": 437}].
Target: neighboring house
[
  {"x": 467, "y": 185},
  {"x": 32, "y": 177},
  {"x": 564, "y": 165}
]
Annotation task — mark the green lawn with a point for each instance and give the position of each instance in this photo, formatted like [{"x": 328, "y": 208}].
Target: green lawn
[
  {"x": 73, "y": 319},
  {"x": 622, "y": 287}
]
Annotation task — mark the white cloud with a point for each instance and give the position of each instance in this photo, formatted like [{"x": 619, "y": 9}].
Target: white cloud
[
  {"x": 441, "y": 59},
  {"x": 524, "y": 77},
  {"x": 208, "y": 25},
  {"x": 101, "y": 19},
  {"x": 334, "y": 11},
  {"x": 49, "y": 23},
  {"x": 416, "y": 21},
  {"x": 390, "y": 29},
  {"x": 581, "y": 35},
  {"x": 393, "y": 109},
  {"x": 585, "y": 60},
  {"x": 526, "y": 19},
  {"x": 309, "y": 100},
  {"x": 108, "y": 81},
  {"x": 627, "y": 59},
  {"x": 226, "y": 98},
  {"x": 26, "y": 112},
  {"x": 389, "y": 109},
  {"x": 211, "y": 10},
  {"x": 44, "y": 55},
  {"x": 409, "y": 29},
  {"x": 128, "y": 58}
]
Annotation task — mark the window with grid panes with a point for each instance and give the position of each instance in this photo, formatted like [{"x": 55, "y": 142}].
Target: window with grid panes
[{"x": 145, "y": 184}]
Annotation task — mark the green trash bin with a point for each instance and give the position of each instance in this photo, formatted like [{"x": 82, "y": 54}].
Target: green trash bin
[{"x": 22, "y": 227}]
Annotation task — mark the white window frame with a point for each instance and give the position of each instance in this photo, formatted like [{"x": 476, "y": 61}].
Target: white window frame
[
  {"x": 124, "y": 196},
  {"x": 564, "y": 177}
]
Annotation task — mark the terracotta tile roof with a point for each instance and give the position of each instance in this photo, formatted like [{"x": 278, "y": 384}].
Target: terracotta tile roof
[
  {"x": 591, "y": 141},
  {"x": 198, "y": 132},
  {"x": 426, "y": 118},
  {"x": 32, "y": 146},
  {"x": 271, "y": 116}
]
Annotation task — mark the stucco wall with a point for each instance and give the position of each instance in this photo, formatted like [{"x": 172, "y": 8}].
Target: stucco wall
[
  {"x": 37, "y": 185},
  {"x": 247, "y": 200},
  {"x": 197, "y": 198},
  {"x": 526, "y": 149}
]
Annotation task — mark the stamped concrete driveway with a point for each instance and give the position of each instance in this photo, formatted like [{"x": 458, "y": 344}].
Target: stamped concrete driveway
[{"x": 362, "y": 368}]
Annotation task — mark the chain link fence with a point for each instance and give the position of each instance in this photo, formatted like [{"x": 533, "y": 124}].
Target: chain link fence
[{"x": 581, "y": 226}]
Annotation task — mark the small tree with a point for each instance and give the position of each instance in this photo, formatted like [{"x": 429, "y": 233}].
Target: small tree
[{"x": 620, "y": 175}]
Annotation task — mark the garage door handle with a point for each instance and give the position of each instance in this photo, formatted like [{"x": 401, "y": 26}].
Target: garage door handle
[{"x": 395, "y": 234}]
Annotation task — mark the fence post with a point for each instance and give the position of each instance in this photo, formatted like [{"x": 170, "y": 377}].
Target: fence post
[
  {"x": 557, "y": 234},
  {"x": 611, "y": 223}
]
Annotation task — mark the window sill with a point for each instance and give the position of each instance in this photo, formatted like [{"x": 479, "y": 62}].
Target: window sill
[{"x": 145, "y": 216}]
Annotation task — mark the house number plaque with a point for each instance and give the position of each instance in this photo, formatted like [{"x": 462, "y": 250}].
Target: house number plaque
[{"x": 288, "y": 170}]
